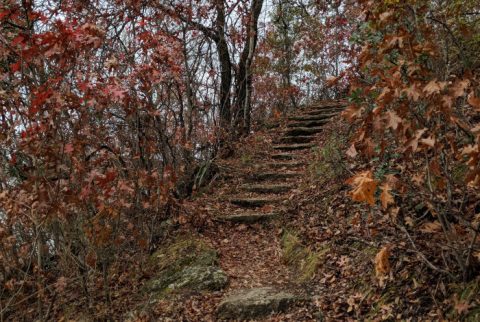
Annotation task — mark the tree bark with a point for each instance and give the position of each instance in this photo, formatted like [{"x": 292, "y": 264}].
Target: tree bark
[
  {"x": 244, "y": 75},
  {"x": 225, "y": 66}
]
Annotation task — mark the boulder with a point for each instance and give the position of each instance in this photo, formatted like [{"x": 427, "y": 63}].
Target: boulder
[
  {"x": 255, "y": 302},
  {"x": 197, "y": 278},
  {"x": 248, "y": 217},
  {"x": 247, "y": 202},
  {"x": 187, "y": 263}
]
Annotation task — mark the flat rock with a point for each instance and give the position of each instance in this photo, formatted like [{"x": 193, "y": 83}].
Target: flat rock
[
  {"x": 293, "y": 147},
  {"x": 280, "y": 165},
  {"x": 297, "y": 139},
  {"x": 328, "y": 105},
  {"x": 312, "y": 117},
  {"x": 325, "y": 111},
  {"x": 295, "y": 131},
  {"x": 251, "y": 202},
  {"x": 256, "y": 302},
  {"x": 263, "y": 176},
  {"x": 201, "y": 278},
  {"x": 314, "y": 123},
  {"x": 187, "y": 263},
  {"x": 283, "y": 156},
  {"x": 248, "y": 217}
]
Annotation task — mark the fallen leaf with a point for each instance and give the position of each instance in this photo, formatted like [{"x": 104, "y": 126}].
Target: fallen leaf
[
  {"x": 352, "y": 152},
  {"x": 393, "y": 120},
  {"x": 430, "y": 141},
  {"x": 413, "y": 93},
  {"x": 352, "y": 112},
  {"x": 413, "y": 142},
  {"x": 364, "y": 187},
  {"x": 431, "y": 227},
  {"x": 385, "y": 15},
  {"x": 459, "y": 88},
  {"x": 474, "y": 101},
  {"x": 462, "y": 307},
  {"x": 386, "y": 197},
  {"x": 61, "y": 284},
  {"x": 382, "y": 262},
  {"x": 433, "y": 87}
]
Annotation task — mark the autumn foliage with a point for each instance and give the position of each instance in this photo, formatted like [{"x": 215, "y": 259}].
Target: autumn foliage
[
  {"x": 108, "y": 109},
  {"x": 416, "y": 105},
  {"x": 111, "y": 113}
]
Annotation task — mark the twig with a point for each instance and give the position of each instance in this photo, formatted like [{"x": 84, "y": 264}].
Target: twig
[
  {"x": 422, "y": 256},
  {"x": 454, "y": 38},
  {"x": 470, "y": 249},
  {"x": 362, "y": 241}
]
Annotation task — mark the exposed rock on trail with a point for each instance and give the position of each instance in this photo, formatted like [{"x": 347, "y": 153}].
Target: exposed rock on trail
[
  {"x": 186, "y": 264},
  {"x": 256, "y": 302}
]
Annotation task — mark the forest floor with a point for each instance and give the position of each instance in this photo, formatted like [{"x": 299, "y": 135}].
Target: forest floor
[
  {"x": 293, "y": 244},
  {"x": 280, "y": 216},
  {"x": 243, "y": 215}
]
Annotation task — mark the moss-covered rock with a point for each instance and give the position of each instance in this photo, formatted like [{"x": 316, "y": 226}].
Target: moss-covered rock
[
  {"x": 256, "y": 302},
  {"x": 187, "y": 263},
  {"x": 191, "y": 277}
]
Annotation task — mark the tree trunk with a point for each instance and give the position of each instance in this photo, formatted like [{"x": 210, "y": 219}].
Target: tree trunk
[
  {"x": 244, "y": 76},
  {"x": 225, "y": 67}
]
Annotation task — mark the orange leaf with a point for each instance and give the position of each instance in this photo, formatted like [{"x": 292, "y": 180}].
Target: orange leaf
[
  {"x": 385, "y": 15},
  {"x": 413, "y": 142},
  {"x": 382, "y": 262},
  {"x": 430, "y": 141},
  {"x": 393, "y": 120},
  {"x": 364, "y": 187},
  {"x": 433, "y": 87},
  {"x": 332, "y": 80},
  {"x": 462, "y": 307},
  {"x": 460, "y": 87},
  {"x": 413, "y": 93},
  {"x": 386, "y": 93},
  {"x": 386, "y": 197},
  {"x": 431, "y": 227},
  {"x": 352, "y": 112},
  {"x": 474, "y": 101}
]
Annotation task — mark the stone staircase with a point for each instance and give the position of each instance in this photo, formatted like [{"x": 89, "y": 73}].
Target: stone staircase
[{"x": 260, "y": 194}]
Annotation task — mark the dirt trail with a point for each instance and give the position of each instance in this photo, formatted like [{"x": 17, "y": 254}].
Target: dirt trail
[{"x": 248, "y": 208}]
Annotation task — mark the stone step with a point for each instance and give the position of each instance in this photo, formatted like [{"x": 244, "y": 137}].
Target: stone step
[
  {"x": 263, "y": 176},
  {"x": 283, "y": 156},
  {"x": 248, "y": 202},
  {"x": 308, "y": 123},
  {"x": 326, "y": 106},
  {"x": 297, "y": 139},
  {"x": 322, "y": 112},
  {"x": 267, "y": 188},
  {"x": 294, "y": 147},
  {"x": 255, "y": 303},
  {"x": 280, "y": 165},
  {"x": 330, "y": 104},
  {"x": 312, "y": 117},
  {"x": 299, "y": 131},
  {"x": 248, "y": 217}
]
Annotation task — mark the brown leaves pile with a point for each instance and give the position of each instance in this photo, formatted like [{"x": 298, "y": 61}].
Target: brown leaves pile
[{"x": 416, "y": 122}]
